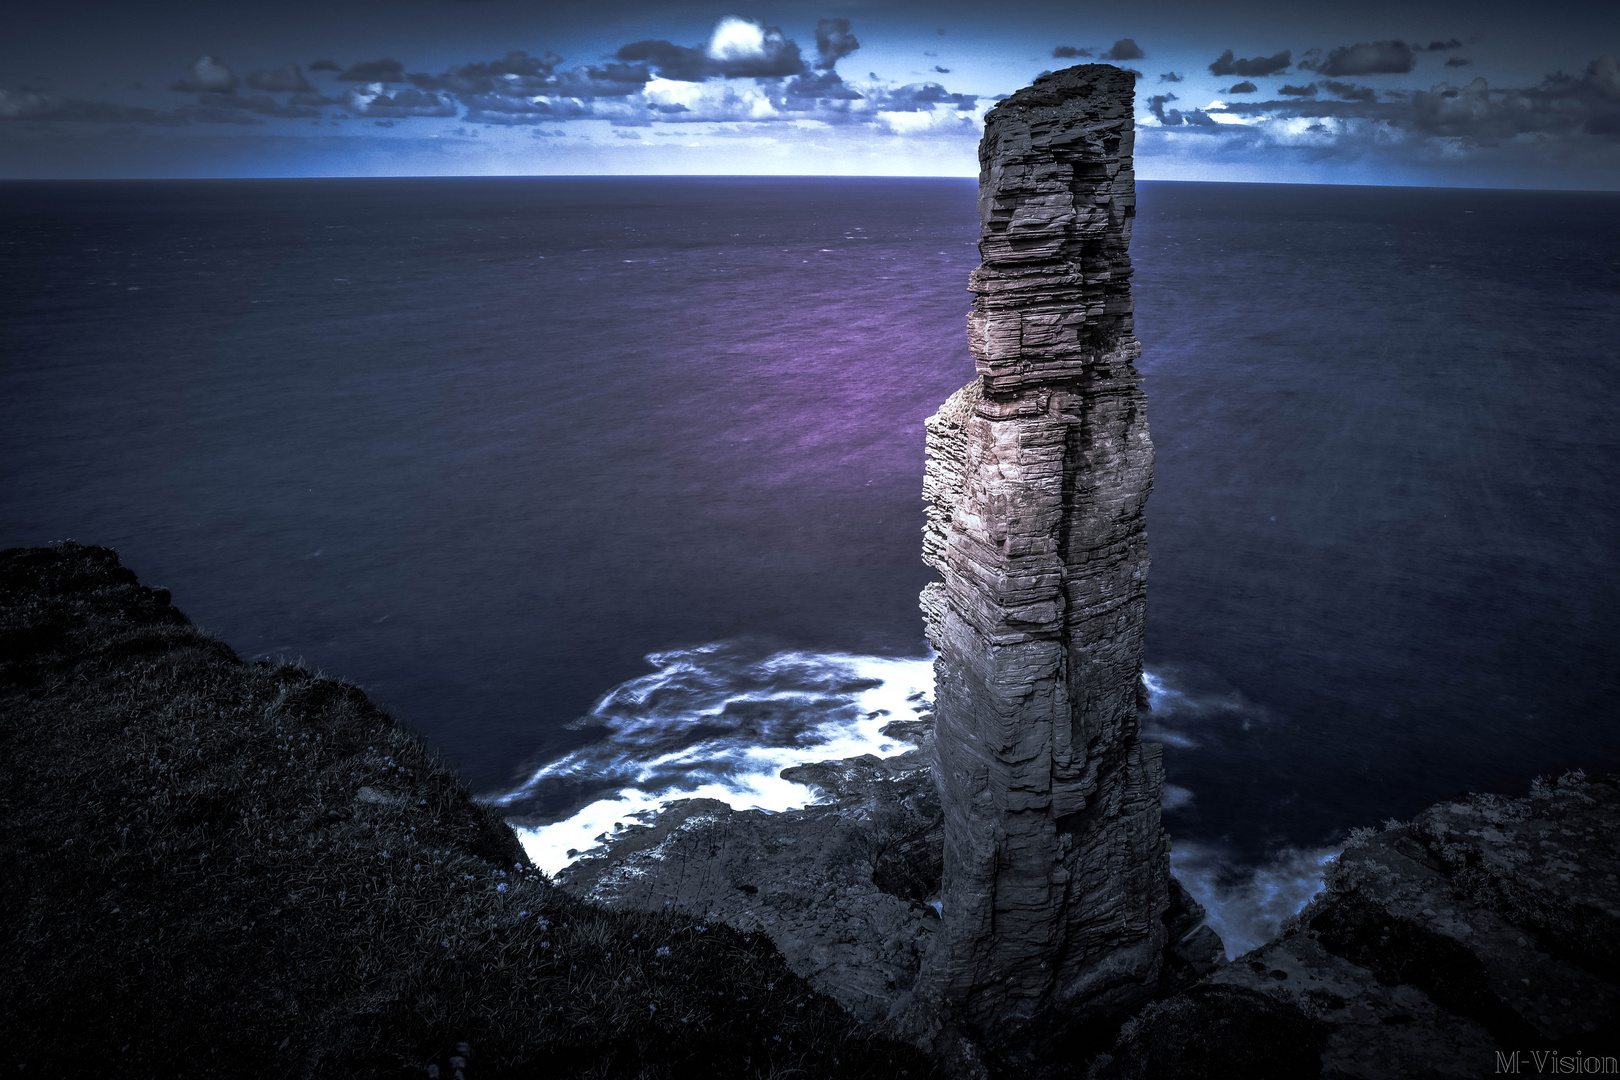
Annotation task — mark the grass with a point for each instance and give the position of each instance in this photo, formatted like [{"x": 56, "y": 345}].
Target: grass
[{"x": 223, "y": 869}]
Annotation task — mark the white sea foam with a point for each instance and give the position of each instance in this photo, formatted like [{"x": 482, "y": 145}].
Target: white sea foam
[
  {"x": 714, "y": 722},
  {"x": 1250, "y": 910},
  {"x": 717, "y": 722}
]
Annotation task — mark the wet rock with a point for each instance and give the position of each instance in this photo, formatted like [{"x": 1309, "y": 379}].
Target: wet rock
[{"x": 841, "y": 887}]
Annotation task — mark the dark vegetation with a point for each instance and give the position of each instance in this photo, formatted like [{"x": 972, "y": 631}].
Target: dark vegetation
[{"x": 222, "y": 869}]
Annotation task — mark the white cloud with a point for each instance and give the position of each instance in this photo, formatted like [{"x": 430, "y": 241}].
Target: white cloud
[{"x": 738, "y": 39}]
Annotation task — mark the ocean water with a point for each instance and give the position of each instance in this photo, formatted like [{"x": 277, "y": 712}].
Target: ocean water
[{"x": 610, "y": 487}]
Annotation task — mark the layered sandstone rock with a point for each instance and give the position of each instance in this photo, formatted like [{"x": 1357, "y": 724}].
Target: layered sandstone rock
[{"x": 1056, "y": 871}]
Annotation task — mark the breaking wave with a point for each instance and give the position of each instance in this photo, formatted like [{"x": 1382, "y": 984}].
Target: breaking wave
[
  {"x": 1248, "y": 908},
  {"x": 722, "y": 721},
  {"x": 719, "y": 722},
  {"x": 1246, "y": 905}
]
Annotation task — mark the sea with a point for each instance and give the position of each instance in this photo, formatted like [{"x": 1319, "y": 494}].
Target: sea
[{"x": 610, "y": 487}]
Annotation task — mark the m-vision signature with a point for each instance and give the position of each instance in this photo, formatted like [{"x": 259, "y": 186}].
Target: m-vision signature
[{"x": 1549, "y": 1062}]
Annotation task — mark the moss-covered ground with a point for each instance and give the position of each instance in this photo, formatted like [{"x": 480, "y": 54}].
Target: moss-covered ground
[{"x": 222, "y": 869}]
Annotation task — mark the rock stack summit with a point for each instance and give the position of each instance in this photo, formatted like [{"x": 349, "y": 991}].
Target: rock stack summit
[{"x": 1056, "y": 865}]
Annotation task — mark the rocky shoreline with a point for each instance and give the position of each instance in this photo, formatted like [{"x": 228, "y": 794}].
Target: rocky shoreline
[
  {"x": 1481, "y": 938},
  {"x": 1488, "y": 925}
]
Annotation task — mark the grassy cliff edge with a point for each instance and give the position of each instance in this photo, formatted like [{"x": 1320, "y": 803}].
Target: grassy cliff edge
[{"x": 229, "y": 869}]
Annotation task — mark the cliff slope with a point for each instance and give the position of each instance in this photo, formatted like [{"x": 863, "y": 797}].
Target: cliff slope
[{"x": 247, "y": 870}]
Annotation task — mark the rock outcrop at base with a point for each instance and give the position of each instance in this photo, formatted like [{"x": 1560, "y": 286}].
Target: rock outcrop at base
[
  {"x": 841, "y": 886},
  {"x": 1482, "y": 938},
  {"x": 1056, "y": 872}
]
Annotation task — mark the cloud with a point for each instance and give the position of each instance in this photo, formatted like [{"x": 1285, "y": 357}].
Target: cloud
[
  {"x": 1349, "y": 91},
  {"x": 1444, "y": 122},
  {"x": 1377, "y": 58},
  {"x": 1458, "y": 61},
  {"x": 205, "y": 114},
  {"x": 738, "y": 49},
  {"x": 260, "y": 104},
  {"x": 672, "y": 61},
  {"x": 384, "y": 71},
  {"x": 826, "y": 86},
  {"x": 613, "y": 80},
  {"x": 942, "y": 70},
  {"x": 375, "y": 101},
  {"x": 1124, "y": 49},
  {"x": 1225, "y": 64},
  {"x": 325, "y": 65},
  {"x": 921, "y": 97},
  {"x": 1438, "y": 46},
  {"x": 833, "y": 42},
  {"x": 1591, "y": 101},
  {"x": 36, "y": 105},
  {"x": 1298, "y": 91},
  {"x": 1169, "y": 76},
  {"x": 1242, "y": 88},
  {"x": 515, "y": 73},
  {"x": 288, "y": 78},
  {"x": 746, "y": 49},
  {"x": 208, "y": 75},
  {"x": 1175, "y": 117},
  {"x": 1069, "y": 52}
]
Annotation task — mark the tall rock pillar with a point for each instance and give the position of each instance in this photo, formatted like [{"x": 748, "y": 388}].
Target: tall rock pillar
[{"x": 1056, "y": 868}]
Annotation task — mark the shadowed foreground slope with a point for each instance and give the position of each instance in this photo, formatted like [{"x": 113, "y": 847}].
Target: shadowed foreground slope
[{"x": 249, "y": 870}]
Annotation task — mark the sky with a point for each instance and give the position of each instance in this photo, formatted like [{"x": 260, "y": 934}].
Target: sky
[{"x": 1485, "y": 94}]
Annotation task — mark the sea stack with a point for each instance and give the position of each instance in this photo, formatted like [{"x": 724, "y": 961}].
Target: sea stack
[{"x": 1056, "y": 865}]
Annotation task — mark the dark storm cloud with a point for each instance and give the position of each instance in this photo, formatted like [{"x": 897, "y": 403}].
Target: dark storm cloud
[
  {"x": 288, "y": 78},
  {"x": 1349, "y": 91},
  {"x": 1169, "y": 76},
  {"x": 1197, "y": 118},
  {"x": 672, "y": 61},
  {"x": 1588, "y": 104},
  {"x": 1298, "y": 91},
  {"x": 613, "y": 80},
  {"x": 823, "y": 86},
  {"x": 1069, "y": 52},
  {"x": 1225, "y": 64},
  {"x": 1376, "y": 58},
  {"x": 942, "y": 70},
  {"x": 921, "y": 97},
  {"x": 208, "y": 75},
  {"x": 325, "y": 65},
  {"x": 1242, "y": 88},
  {"x": 385, "y": 70},
  {"x": 1438, "y": 46},
  {"x": 1458, "y": 61},
  {"x": 1124, "y": 49},
  {"x": 833, "y": 42},
  {"x": 1561, "y": 106}
]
